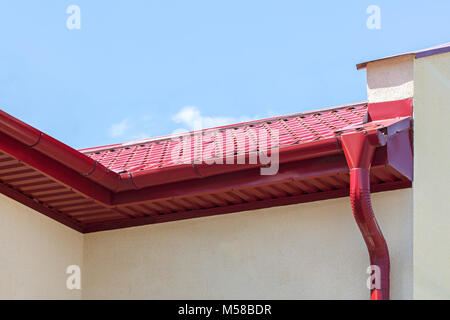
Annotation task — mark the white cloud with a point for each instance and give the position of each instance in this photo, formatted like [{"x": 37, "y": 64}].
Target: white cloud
[
  {"x": 140, "y": 136},
  {"x": 119, "y": 129},
  {"x": 191, "y": 117}
]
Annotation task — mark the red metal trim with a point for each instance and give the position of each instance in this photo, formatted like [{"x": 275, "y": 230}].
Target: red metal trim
[
  {"x": 302, "y": 169},
  {"x": 54, "y": 149},
  {"x": 390, "y": 109},
  {"x": 400, "y": 154},
  {"x": 19, "y": 130},
  {"x": 54, "y": 169},
  {"x": 359, "y": 151}
]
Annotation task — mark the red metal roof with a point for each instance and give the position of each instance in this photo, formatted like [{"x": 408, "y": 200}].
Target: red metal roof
[
  {"x": 141, "y": 182},
  {"x": 155, "y": 154}
]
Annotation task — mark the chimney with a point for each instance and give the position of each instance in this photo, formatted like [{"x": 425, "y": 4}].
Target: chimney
[
  {"x": 390, "y": 86},
  {"x": 390, "y": 79}
]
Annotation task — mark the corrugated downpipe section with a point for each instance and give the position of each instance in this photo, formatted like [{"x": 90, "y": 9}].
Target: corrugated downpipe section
[{"x": 359, "y": 149}]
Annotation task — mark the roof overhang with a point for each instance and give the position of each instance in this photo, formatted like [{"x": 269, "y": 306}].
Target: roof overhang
[{"x": 68, "y": 186}]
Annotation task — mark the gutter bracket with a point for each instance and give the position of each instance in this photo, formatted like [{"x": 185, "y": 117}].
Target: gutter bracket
[{"x": 37, "y": 142}]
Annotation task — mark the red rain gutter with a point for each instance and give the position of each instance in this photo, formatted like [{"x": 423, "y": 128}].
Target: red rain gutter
[
  {"x": 54, "y": 149},
  {"x": 359, "y": 148},
  {"x": 178, "y": 173},
  {"x": 34, "y": 139},
  {"x": 54, "y": 169}
]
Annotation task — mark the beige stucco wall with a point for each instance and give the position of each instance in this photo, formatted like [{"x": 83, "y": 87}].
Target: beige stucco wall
[
  {"x": 305, "y": 251},
  {"x": 390, "y": 79},
  {"x": 34, "y": 254},
  {"x": 431, "y": 177}
]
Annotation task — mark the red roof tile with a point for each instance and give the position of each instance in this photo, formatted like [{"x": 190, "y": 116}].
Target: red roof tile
[{"x": 153, "y": 154}]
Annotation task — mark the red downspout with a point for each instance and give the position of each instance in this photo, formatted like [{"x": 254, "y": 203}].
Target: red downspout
[{"x": 359, "y": 148}]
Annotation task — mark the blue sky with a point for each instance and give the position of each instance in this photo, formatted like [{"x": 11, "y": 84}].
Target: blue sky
[{"x": 140, "y": 69}]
